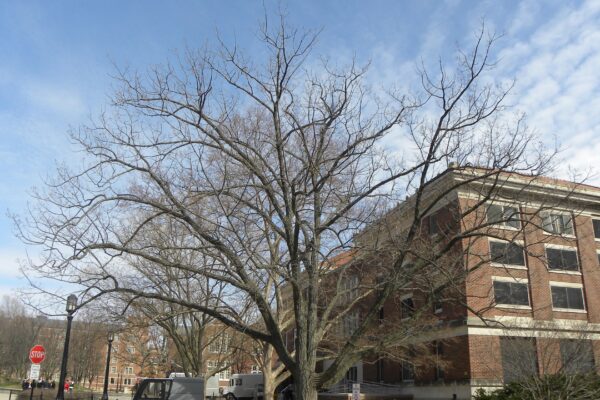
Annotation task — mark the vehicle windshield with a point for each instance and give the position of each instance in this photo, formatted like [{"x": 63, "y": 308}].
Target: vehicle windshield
[{"x": 155, "y": 390}]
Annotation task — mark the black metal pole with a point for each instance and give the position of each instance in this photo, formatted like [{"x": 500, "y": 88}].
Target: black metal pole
[
  {"x": 105, "y": 391},
  {"x": 60, "y": 394}
]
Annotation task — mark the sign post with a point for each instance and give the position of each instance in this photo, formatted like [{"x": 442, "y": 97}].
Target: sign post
[
  {"x": 356, "y": 391},
  {"x": 37, "y": 354}
]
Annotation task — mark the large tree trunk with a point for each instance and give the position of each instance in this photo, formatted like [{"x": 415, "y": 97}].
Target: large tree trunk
[
  {"x": 268, "y": 386},
  {"x": 304, "y": 388}
]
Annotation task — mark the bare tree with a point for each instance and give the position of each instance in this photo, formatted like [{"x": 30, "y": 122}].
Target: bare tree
[
  {"x": 269, "y": 169},
  {"x": 87, "y": 342},
  {"x": 19, "y": 330}
]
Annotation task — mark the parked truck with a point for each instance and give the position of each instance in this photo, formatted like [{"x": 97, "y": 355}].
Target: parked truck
[
  {"x": 170, "y": 389},
  {"x": 244, "y": 387}
]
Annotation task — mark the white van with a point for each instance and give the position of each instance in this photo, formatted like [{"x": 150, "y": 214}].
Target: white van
[{"x": 244, "y": 387}]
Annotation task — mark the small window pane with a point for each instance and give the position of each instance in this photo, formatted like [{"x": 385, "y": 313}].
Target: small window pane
[
  {"x": 520, "y": 294},
  {"x": 494, "y": 213},
  {"x": 408, "y": 371},
  {"x": 507, "y": 253},
  {"x": 407, "y": 307},
  {"x": 502, "y": 292},
  {"x": 567, "y": 224},
  {"x": 511, "y": 217},
  {"x": 503, "y": 215},
  {"x": 596, "y": 223},
  {"x": 559, "y": 297},
  {"x": 434, "y": 227},
  {"x": 575, "y": 298}
]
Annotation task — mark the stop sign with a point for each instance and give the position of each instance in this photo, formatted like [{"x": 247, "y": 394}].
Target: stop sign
[{"x": 37, "y": 354}]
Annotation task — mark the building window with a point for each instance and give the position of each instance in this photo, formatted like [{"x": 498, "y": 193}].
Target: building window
[
  {"x": 596, "y": 223},
  {"x": 507, "y": 253},
  {"x": 436, "y": 301},
  {"x": 407, "y": 307},
  {"x": 511, "y": 293},
  {"x": 220, "y": 344},
  {"x": 130, "y": 349},
  {"x": 408, "y": 371},
  {"x": 562, "y": 259},
  {"x": 439, "y": 353},
  {"x": 380, "y": 370},
  {"x": 506, "y": 216},
  {"x": 348, "y": 324},
  {"x": 112, "y": 381},
  {"x": 225, "y": 374},
  {"x": 434, "y": 227},
  {"x": 519, "y": 358},
  {"x": 255, "y": 369},
  {"x": 113, "y": 370},
  {"x": 557, "y": 223},
  {"x": 577, "y": 356},
  {"x": 129, "y": 370},
  {"x": 349, "y": 286},
  {"x": 570, "y": 298},
  {"x": 127, "y": 381},
  {"x": 352, "y": 374}
]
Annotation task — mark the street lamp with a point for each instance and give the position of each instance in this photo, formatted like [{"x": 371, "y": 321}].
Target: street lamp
[
  {"x": 71, "y": 306},
  {"x": 111, "y": 337}
]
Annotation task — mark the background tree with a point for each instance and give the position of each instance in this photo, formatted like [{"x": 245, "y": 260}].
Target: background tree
[
  {"x": 86, "y": 349},
  {"x": 19, "y": 330},
  {"x": 269, "y": 168}
]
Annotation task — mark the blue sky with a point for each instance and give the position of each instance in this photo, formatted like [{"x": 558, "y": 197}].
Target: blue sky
[{"x": 56, "y": 59}]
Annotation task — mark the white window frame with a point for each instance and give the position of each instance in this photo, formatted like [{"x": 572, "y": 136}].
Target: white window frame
[
  {"x": 562, "y": 213},
  {"x": 562, "y": 247},
  {"x": 402, "y": 298},
  {"x": 568, "y": 285},
  {"x": 511, "y": 266},
  {"x": 595, "y": 218},
  {"x": 402, "y": 370},
  {"x": 511, "y": 279},
  {"x": 350, "y": 288},
  {"x": 503, "y": 225},
  {"x": 220, "y": 344}
]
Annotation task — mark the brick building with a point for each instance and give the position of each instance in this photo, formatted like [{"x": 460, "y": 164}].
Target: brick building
[{"x": 528, "y": 299}]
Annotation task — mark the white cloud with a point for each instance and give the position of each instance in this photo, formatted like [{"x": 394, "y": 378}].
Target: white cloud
[{"x": 557, "y": 79}]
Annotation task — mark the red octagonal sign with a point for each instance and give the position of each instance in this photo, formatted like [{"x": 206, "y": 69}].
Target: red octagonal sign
[{"x": 37, "y": 354}]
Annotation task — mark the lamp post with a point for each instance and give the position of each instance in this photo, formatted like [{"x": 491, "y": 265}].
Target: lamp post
[
  {"x": 111, "y": 337},
  {"x": 71, "y": 306}
]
